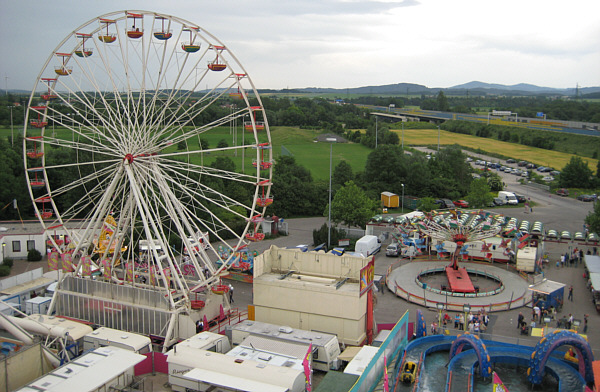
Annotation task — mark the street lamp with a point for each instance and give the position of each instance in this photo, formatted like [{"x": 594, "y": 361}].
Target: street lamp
[
  {"x": 376, "y": 118},
  {"x": 402, "y": 198},
  {"x": 3, "y": 246},
  {"x": 402, "y": 135},
  {"x": 466, "y": 310},
  {"x": 438, "y": 138},
  {"x": 331, "y": 140},
  {"x": 440, "y": 307},
  {"x": 12, "y": 138}
]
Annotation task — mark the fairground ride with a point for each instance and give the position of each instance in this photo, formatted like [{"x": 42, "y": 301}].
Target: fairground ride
[{"x": 124, "y": 131}]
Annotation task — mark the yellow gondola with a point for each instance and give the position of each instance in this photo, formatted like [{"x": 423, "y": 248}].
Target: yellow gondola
[{"x": 408, "y": 372}]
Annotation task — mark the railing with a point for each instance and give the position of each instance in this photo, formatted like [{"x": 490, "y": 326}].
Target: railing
[
  {"x": 418, "y": 375},
  {"x": 233, "y": 317},
  {"x": 449, "y": 381}
]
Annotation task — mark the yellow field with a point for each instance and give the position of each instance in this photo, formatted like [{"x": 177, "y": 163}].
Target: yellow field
[{"x": 538, "y": 156}]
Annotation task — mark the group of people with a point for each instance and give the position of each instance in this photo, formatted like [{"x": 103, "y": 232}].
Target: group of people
[
  {"x": 476, "y": 323},
  {"x": 573, "y": 258}
]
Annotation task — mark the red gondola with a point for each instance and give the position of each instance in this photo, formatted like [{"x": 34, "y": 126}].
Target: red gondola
[
  {"x": 215, "y": 65},
  {"x": 162, "y": 34},
  {"x": 190, "y": 47},
  {"x": 107, "y": 38},
  {"x": 254, "y": 235},
  {"x": 49, "y": 96},
  {"x": 39, "y": 122},
  {"x": 36, "y": 183},
  {"x": 34, "y": 153},
  {"x": 135, "y": 32},
  {"x": 262, "y": 164},
  {"x": 264, "y": 200},
  {"x": 44, "y": 213},
  {"x": 63, "y": 70},
  {"x": 259, "y": 125},
  {"x": 83, "y": 52},
  {"x": 238, "y": 94}
]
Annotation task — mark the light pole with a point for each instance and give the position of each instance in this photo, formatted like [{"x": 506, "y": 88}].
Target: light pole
[
  {"x": 440, "y": 307},
  {"x": 331, "y": 140},
  {"x": 3, "y": 246},
  {"x": 466, "y": 310},
  {"x": 438, "y": 138},
  {"x": 12, "y": 137},
  {"x": 402, "y": 135},
  {"x": 376, "y": 123},
  {"x": 402, "y": 198}
]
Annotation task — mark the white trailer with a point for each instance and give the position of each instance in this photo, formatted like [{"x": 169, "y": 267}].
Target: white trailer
[
  {"x": 526, "y": 259},
  {"x": 130, "y": 341},
  {"x": 38, "y": 305},
  {"x": 367, "y": 245},
  {"x": 326, "y": 347}
]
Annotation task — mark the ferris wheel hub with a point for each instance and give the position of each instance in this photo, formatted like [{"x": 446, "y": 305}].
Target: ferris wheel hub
[{"x": 128, "y": 158}]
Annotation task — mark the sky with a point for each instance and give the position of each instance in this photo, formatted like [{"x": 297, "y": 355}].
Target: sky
[{"x": 347, "y": 43}]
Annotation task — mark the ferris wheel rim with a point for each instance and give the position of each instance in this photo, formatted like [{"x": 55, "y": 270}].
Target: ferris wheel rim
[{"x": 79, "y": 147}]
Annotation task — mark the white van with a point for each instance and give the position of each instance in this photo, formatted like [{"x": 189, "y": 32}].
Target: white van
[
  {"x": 508, "y": 198},
  {"x": 367, "y": 245}
]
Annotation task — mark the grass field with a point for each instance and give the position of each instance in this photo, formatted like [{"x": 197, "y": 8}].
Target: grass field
[
  {"x": 555, "y": 159},
  {"x": 315, "y": 156}
]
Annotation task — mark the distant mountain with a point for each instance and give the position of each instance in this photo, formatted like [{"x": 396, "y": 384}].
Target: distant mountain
[{"x": 472, "y": 88}]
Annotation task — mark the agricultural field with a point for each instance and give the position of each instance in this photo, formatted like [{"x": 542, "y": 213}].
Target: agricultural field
[{"x": 555, "y": 159}]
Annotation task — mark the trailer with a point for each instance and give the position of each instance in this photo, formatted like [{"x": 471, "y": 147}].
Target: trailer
[
  {"x": 526, "y": 259},
  {"x": 103, "y": 337},
  {"x": 326, "y": 347}
]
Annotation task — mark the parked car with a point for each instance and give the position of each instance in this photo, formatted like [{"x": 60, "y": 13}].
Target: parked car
[
  {"x": 520, "y": 198},
  {"x": 562, "y": 192},
  {"x": 525, "y": 174},
  {"x": 554, "y": 173},
  {"x": 548, "y": 178},
  {"x": 444, "y": 203},
  {"x": 531, "y": 166},
  {"x": 510, "y": 160},
  {"x": 522, "y": 163},
  {"x": 586, "y": 197},
  {"x": 461, "y": 203},
  {"x": 498, "y": 201},
  {"x": 548, "y": 170}
]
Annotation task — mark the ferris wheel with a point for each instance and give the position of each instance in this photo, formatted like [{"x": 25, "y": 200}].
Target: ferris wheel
[{"x": 136, "y": 165}]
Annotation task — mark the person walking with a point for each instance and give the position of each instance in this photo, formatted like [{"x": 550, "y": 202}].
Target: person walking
[
  {"x": 585, "y": 321},
  {"x": 520, "y": 320},
  {"x": 570, "y": 298},
  {"x": 231, "y": 294}
]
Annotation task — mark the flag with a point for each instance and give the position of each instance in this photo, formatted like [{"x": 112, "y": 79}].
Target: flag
[
  {"x": 129, "y": 272},
  {"x": 67, "y": 262},
  {"x": 498, "y": 384},
  {"x": 86, "y": 265},
  {"x": 107, "y": 265},
  {"x": 307, "y": 372},
  {"x": 510, "y": 232},
  {"x": 53, "y": 261},
  {"x": 386, "y": 386}
]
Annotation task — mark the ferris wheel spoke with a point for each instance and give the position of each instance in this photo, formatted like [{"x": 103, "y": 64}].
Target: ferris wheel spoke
[{"x": 178, "y": 166}]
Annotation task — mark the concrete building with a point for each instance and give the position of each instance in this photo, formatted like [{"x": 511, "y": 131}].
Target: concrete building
[{"x": 315, "y": 291}]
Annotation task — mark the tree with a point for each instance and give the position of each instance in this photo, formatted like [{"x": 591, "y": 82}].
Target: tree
[
  {"x": 442, "y": 102},
  {"x": 222, "y": 144},
  {"x": 593, "y": 219},
  {"x": 479, "y": 194},
  {"x": 494, "y": 182},
  {"x": 576, "y": 174},
  {"x": 426, "y": 204},
  {"x": 342, "y": 173},
  {"x": 351, "y": 206}
]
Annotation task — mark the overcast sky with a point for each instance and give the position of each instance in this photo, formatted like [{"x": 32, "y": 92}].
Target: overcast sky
[{"x": 348, "y": 43}]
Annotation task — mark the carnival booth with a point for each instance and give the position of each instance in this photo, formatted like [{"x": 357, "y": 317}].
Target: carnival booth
[{"x": 548, "y": 293}]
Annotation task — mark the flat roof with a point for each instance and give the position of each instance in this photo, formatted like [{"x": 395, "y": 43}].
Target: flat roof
[
  {"x": 360, "y": 362},
  {"x": 546, "y": 286},
  {"x": 595, "y": 278},
  {"x": 27, "y": 286},
  {"x": 87, "y": 373},
  {"x": 592, "y": 263},
  {"x": 134, "y": 340},
  {"x": 76, "y": 329},
  {"x": 200, "y": 340},
  {"x": 229, "y": 381},
  {"x": 276, "y": 331}
]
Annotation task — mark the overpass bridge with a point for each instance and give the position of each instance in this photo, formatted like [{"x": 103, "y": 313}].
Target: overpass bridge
[{"x": 577, "y": 127}]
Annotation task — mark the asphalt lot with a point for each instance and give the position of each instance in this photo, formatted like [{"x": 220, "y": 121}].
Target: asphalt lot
[{"x": 554, "y": 211}]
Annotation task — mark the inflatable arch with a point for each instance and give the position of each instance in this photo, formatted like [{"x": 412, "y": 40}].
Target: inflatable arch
[
  {"x": 421, "y": 327},
  {"x": 485, "y": 367},
  {"x": 551, "y": 342}
]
